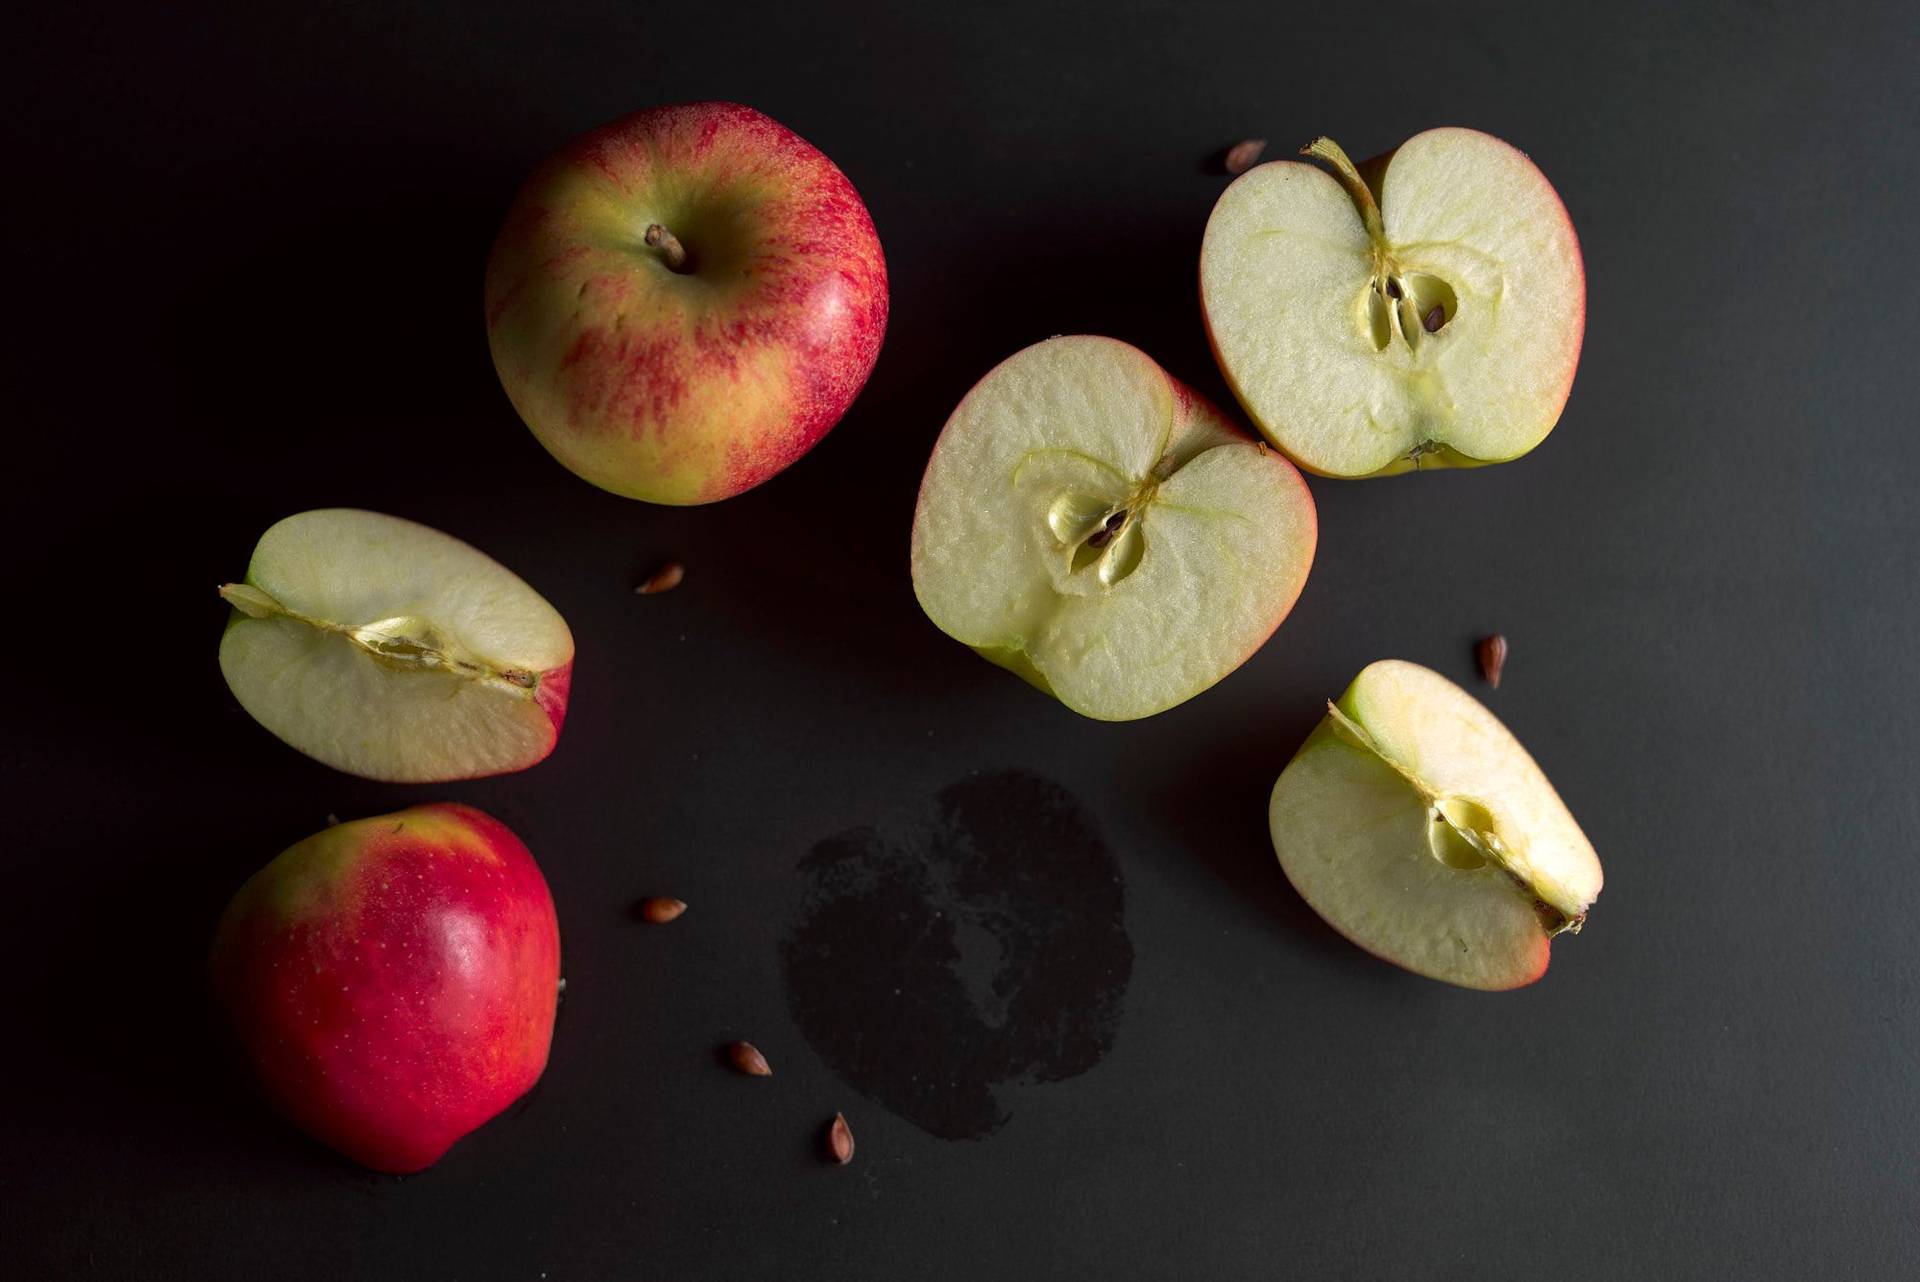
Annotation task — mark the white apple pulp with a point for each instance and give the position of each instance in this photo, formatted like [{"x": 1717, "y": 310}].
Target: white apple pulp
[
  {"x": 1433, "y": 318},
  {"x": 392, "y": 651},
  {"x": 1416, "y": 825},
  {"x": 1100, "y": 529}
]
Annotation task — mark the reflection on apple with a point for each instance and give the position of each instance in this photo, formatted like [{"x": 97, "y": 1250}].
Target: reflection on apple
[
  {"x": 1424, "y": 310},
  {"x": 1416, "y": 825},
  {"x": 1096, "y": 526}
]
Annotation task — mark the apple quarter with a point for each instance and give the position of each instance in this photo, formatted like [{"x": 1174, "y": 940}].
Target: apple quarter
[
  {"x": 1417, "y": 826},
  {"x": 1101, "y": 529},
  {"x": 389, "y": 650}
]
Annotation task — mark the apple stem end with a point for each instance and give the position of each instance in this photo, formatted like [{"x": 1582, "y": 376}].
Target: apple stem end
[{"x": 672, "y": 252}]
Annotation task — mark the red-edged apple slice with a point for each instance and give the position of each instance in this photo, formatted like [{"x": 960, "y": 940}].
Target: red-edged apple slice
[
  {"x": 1099, "y": 528},
  {"x": 1432, "y": 319},
  {"x": 1417, "y": 826},
  {"x": 393, "y": 651}
]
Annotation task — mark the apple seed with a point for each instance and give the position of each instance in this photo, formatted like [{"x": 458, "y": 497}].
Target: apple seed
[
  {"x": 659, "y": 909},
  {"x": 747, "y": 1058},
  {"x": 664, "y": 579},
  {"x": 1493, "y": 658},
  {"x": 840, "y": 1140},
  {"x": 1243, "y": 155}
]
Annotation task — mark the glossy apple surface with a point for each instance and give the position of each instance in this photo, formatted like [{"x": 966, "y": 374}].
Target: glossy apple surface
[
  {"x": 392, "y": 651},
  {"x": 1098, "y": 527},
  {"x": 1416, "y": 825},
  {"x": 393, "y": 981},
  {"x": 1424, "y": 310},
  {"x": 692, "y": 368}
]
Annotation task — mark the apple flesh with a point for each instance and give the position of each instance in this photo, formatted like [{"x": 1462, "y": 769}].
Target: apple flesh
[
  {"x": 683, "y": 302},
  {"x": 393, "y": 981},
  {"x": 1096, "y": 526},
  {"x": 392, "y": 651},
  {"x": 1416, "y": 825},
  {"x": 1427, "y": 314}
]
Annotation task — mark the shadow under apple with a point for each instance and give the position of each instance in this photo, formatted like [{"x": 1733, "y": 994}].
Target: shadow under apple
[
  {"x": 1216, "y": 802},
  {"x": 127, "y": 1021}
]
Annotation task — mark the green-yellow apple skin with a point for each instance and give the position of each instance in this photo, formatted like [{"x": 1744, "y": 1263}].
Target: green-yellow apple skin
[{"x": 685, "y": 382}]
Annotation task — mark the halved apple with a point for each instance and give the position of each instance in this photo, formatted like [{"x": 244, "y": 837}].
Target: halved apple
[
  {"x": 1417, "y": 826},
  {"x": 1428, "y": 314},
  {"x": 390, "y": 650},
  {"x": 1099, "y": 528}
]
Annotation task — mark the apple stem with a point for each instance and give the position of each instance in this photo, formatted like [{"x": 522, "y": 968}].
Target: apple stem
[
  {"x": 671, "y": 250},
  {"x": 1335, "y": 158}
]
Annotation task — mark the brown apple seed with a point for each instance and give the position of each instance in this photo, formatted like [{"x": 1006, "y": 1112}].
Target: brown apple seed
[
  {"x": 1242, "y": 156},
  {"x": 660, "y": 910},
  {"x": 840, "y": 1140},
  {"x": 746, "y": 1057},
  {"x": 664, "y": 579},
  {"x": 1493, "y": 658}
]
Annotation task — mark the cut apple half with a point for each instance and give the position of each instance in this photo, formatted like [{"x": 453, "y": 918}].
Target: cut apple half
[
  {"x": 1416, "y": 825},
  {"x": 1426, "y": 313},
  {"x": 1094, "y": 525},
  {"x": 392, "y": 651}
]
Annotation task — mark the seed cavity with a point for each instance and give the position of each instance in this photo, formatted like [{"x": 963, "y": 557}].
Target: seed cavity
[
  {"x": 1073, "y": 517},
  {"x": 1413, "y": 305},
  {"x": 1103, "y": 537},
  {"x": 1379, "y": 320},
  {"x": 1460, "y": 833}
]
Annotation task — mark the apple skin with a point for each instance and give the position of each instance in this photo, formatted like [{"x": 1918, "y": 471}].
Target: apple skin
[
  {"x": 685, "y": 387},
  {"x": 392, "y": 981}
]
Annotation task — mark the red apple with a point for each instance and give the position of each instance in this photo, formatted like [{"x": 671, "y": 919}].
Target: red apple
[
  {"x": 682, "y": 302},
  {"x": 392, "y": 981}
]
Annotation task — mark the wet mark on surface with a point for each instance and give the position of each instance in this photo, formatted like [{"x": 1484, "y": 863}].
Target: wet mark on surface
[{"x": 933, "y": 969}]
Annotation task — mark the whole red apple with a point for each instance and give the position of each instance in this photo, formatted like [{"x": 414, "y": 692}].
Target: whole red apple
[
  {"x": 682, "y": 302},
  {"x": 393, "y": 980}
]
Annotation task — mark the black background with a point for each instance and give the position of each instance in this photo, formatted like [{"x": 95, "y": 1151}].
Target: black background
[{"x": 245, "y": 265}]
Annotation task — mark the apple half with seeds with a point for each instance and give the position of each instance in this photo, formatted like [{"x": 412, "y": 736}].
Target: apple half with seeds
[
  {"x": 392, "y": 651},
  {"x": 1423, "y": 310},
  {"x": 1096, "y": 526},
  {"x": 1416, "y": 825}
]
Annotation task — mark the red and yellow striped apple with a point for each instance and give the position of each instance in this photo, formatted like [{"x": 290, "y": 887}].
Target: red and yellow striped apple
[
  {"x": 392, "y": 981},
  {"x": 682, "y": 302}
]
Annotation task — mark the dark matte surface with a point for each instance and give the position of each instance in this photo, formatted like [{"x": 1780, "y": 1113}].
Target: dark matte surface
[{"x": 246, "y": 275}]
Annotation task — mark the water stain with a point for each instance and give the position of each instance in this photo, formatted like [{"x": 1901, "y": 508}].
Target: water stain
[{"x": 988, "y": 948}]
